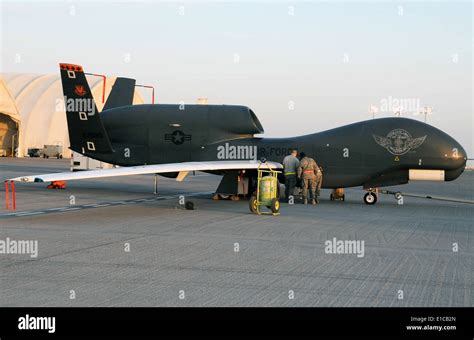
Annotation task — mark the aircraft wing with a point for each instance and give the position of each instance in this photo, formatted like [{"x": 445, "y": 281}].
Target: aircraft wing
[{"x": 182, "y": 168}]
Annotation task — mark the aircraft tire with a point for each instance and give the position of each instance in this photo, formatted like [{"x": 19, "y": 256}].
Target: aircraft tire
[{"x": 370, "y": 198}]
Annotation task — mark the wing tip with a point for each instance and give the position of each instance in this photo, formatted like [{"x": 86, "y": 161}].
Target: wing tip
[{"x": 25, "y": 179}]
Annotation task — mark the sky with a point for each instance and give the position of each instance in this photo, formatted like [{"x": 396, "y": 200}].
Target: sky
[{"x": 302, "y": 67}]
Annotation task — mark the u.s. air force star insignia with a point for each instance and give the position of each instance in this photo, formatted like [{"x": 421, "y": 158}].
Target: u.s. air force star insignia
[
  {"x": 178, "y": 137},
  {"x": 399, "y": 142}
]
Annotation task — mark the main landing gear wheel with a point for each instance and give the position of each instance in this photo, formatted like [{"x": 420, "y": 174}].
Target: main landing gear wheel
[{"x": 370, "y": 198}]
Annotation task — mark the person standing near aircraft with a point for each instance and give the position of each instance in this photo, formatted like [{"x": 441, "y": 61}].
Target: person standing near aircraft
[
  {"x": 319, "y": 181},
  {"x": 307, "y": 172},
  {"x": 290, "y": 165}
]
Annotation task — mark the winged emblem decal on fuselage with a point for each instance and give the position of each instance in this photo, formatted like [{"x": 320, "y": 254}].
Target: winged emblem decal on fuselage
[{"x": 398, "y": 142}]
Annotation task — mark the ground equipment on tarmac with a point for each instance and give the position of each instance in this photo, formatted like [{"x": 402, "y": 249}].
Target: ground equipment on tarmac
[
  {"x": 52, "y": 151},
  {"x": 337, "y": 194},
  {"x": 57, "y": 185},
  {"x": 267, "y": 193}
]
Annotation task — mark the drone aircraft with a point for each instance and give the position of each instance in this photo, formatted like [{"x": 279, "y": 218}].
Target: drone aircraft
[{"x": 173, "y": 140}]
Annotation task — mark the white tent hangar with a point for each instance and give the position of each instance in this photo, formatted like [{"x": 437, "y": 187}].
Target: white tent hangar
[{"x": 32, "y": 111}]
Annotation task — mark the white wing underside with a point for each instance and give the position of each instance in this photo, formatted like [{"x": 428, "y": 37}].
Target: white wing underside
[{"x": 182, "y": 168}]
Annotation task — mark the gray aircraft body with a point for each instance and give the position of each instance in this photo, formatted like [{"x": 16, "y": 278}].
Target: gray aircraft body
[{"x": 372, "y": 153}]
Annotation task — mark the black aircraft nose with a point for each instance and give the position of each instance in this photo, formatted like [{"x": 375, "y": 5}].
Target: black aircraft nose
[
  {"x": 458, "y": 161},
  {"x": 459, "y": 156}
]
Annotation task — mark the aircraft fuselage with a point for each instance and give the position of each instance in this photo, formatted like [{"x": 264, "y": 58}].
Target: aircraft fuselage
[{"x": 370, "y": 153}]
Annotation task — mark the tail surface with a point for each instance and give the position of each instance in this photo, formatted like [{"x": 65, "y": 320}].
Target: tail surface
[
  {"x": 87, "y": 134},
  {"x": 121, "y": 94}
]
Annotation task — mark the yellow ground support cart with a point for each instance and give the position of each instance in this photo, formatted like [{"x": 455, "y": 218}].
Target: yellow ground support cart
[{"x": 267, "y": 193}]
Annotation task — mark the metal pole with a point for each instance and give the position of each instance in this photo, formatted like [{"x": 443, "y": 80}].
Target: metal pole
[
  {"x": 7, "y": 205},
  {"x": 13, "y": 195},
  {"x": 156, "y": 184},
  {"x": 13, "y": 145}
]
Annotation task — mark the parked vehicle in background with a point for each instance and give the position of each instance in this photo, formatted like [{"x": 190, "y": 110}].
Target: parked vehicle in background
[
  {"x": 52, "y": 151},
  {"x": 35, "y": 152},
  {"x": 81, "y": 162}
]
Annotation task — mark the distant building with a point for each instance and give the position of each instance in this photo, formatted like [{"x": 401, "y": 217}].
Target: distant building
[
  {"x": 32, "y": 111},
  {"x": 202, "y": 101}
]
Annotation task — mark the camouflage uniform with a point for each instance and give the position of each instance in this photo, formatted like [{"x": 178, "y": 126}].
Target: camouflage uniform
[
  {"x": 308, "y": 172},
  {"x": 319, "y": 180}
]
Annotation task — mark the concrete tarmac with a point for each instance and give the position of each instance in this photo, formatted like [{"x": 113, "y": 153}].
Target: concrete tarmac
[{"x": 112, "y": 242}]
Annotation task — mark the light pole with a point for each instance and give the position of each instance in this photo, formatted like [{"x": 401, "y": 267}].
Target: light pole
[
  {"x": 13, "y": 145},
  {"x": 397, "y": 111},
  {"x": 373, "y": 110},
  {"x": 426, "y": 110}
]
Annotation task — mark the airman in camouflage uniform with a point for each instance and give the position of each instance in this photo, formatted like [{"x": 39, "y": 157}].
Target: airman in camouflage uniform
[
  {"x": 308, "y": 173},
  {"x": 319, "y": 181}
]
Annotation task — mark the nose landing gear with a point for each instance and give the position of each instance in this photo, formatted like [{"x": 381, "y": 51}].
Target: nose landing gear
[{"x": 370, "y": 197}]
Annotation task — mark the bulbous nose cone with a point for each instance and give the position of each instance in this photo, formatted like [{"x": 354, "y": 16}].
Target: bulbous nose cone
[
  {"x": 444, "y": 151},
  {"x": 462, "y": 156},
  {"x": 458, "y": 161},
  {"x": 457, "y": 156}
]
